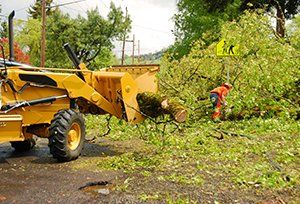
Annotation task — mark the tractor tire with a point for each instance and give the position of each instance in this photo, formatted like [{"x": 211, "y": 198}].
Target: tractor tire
[
  {"x": 23, "y": 146},
  {"x": 67, "y": 134}
]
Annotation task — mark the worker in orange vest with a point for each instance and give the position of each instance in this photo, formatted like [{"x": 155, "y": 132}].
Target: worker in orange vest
[{"x": 217, "y": 98}]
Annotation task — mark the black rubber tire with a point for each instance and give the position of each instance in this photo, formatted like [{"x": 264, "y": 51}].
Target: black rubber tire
[
  {"x": 58, "y": 130},
  {"x": 23, "y": 146}
]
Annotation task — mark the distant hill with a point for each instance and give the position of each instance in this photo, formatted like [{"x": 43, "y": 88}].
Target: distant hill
[
  {"x": 150, "y": 58},
  {"x": 153, "y": 57}
]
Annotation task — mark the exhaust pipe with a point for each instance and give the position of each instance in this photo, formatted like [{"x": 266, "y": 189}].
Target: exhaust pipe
[{"x": 11, "y": 36}]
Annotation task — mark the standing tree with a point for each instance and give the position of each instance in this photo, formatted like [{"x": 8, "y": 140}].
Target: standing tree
[
  {"x": 35, "y": 10},
  {"x": 90, "y": 37},
  {"x": 3, "y": 27},
  {"x": 29, "y": 39},
  {"x": 285, "y": 9},
  {"x": 95, "y": 40}
]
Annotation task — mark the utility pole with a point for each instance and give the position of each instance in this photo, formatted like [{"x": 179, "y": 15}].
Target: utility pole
[
  {"x": 123, "y": 50},
  {"x": 133, "y": 46},
  {"x": 139, "y": 52},
  {"x": 124, "y": 41},
  {"x": 43, "y": 42}
]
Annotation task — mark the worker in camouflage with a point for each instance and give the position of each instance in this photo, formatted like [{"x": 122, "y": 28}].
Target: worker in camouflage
[{"x": 217, "y": 98}]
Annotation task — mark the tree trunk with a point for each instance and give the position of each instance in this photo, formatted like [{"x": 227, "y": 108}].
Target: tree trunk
[
  {"x": 280, "y": 21},
  {"x": 154, "y": 105}
]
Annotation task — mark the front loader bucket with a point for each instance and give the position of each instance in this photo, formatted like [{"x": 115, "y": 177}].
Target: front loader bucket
[{"x": 121, "y": 84}]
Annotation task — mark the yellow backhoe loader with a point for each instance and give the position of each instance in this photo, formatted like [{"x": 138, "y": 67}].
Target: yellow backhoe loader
[{"x": 49, "y": 102}]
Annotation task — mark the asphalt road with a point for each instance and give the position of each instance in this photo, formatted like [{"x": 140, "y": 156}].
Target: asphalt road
[{"x": 35, "y": 177}]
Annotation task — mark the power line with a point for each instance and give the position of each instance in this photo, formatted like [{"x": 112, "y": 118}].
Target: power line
[
  {"x": 104, "y": 4},
  {"x": 81, "y": 8},
  {"x": 72, "y": 9},
  {"x": 21, "y": 9},
  {"x": 153, "y": 29},
  {"x": 72, "y": 2},
  {"x": 18, "y": 10}
]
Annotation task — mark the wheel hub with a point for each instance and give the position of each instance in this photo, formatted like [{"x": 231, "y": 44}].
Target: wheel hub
[{"x": 74, "y": 136}]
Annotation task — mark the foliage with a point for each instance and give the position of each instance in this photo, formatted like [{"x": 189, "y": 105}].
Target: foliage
[
  {"x": 29, "y": 39},
  {"x": 99, "y": 38},
  {"x": 3, "y": 29},
  {"x": 294, "y": 30},
  {"x": 289, "y": 7},
  {"x": 151, "y": 58},
  {"x": 284, "y": 9},
  {"x": 264, "y": 76},
  {"x": 195, "y": 18},
  {"x": 90, "y": 37},
  {"x": 20, "y": 56},
  {"x": 203, "y": 19},
  {"x": 35, "y": 10}
]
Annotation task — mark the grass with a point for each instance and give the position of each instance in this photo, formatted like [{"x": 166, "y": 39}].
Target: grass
[{"x": 195, "y": 156}]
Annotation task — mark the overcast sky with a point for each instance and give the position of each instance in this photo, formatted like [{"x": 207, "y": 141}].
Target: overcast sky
[{"x": 151, "y": 19}]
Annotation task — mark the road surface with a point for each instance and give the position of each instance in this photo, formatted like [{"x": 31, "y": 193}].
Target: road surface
[{"x": 35, "y": 177}]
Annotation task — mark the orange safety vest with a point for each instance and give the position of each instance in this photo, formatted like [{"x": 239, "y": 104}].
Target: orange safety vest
[{"x": 221, "y": 91}]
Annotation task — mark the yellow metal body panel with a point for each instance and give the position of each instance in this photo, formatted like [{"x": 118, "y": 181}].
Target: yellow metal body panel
[
  {"x": 42, "y": 113},
  {"x": 129, "y": 92},
  {"x": 11, "y": 128}
]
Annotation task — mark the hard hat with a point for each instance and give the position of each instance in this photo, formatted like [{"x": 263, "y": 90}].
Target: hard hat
[{"x": 227, "y": 85}]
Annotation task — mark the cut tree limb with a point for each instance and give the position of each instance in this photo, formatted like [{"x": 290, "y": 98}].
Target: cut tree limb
[
  {"x": 233, "y": 133},
  {"x": 154, "y": 105}
]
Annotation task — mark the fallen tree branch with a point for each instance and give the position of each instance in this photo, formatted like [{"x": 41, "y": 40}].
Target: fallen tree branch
[
  {"x": 107, "y": 125},
  {"x": 163, "y": 83},
  {"x": 273, "y": 163},
  {"x": 233, "y": 133}
]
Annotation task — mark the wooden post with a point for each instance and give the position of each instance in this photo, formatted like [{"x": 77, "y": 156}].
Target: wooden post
[
  {"x": 139, "y": 52},
  {"x": 124, "y": 41},
  {"x": 123, "y": 50},
  {"x": 43, "y": 41},
  {"x": 133, "y": 45}
]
